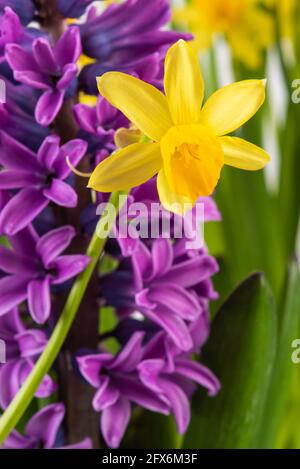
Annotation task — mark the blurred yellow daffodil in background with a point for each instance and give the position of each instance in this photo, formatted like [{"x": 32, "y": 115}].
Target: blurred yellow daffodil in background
[
  {"x": 188, "y": 146},
  {"x": 286, "y": 11},
  {"x": 246, "y": 25}
]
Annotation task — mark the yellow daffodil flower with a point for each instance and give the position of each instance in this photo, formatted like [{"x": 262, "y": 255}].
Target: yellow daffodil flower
[
  {"x": 244, "y": 23},
  {"x": 286, "y": 10},
  {"x": 188, "y": 145}
]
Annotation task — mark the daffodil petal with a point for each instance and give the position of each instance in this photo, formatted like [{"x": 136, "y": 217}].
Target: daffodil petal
[
  {"x": 126, "y": 168},
  {"x": 124, "y": 137},
  {"x": 172, "y": 202},
  {"x": 145, "y": 106},
  {"x": 233, "y": 105},
  {"x": 242, "y": 154},
  {"x": 184, "y": 84}
]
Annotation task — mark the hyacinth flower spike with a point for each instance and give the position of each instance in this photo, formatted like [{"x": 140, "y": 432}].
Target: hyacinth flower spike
[{"x": 188, "y": 145}]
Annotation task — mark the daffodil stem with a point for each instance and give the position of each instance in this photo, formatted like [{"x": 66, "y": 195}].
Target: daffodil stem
[{"x": 18, "y": 406}]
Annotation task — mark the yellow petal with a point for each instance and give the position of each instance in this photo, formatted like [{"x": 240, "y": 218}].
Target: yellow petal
[
  {"x": 124, "y": 137},
  {"x": 233, "y": 105},
  {"x": 171, "y": 201},
  {"x": 144, "y": 105},
  {"x": 127, "y": 168},
  {"x": 242, "y": 154},
  {"x": 184, "y": 84}
]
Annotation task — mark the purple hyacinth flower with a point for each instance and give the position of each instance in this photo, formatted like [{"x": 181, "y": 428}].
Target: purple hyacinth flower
[
  {"x": 39, "y": 177},
  {"x": 41, "y": 431},
  {"x": 17, "y": 116},
  {"x": 127, "y": 37},
  {"x": 149, "y": 69},
  {"x": 33, "y": 265},
  {"x": 173, "y": 375},
  {"x": 23, "y": 346},
  {"x": 51, "y": 69},
  {"x": 73, "y": 8},
  {"x": 24, "y": 8},
  {"x": 11, "y": 29},
  {"x": 118, "y": 387},
  {"x": 98, "y": 125},
  {"x": 164, "y": 284},
  {"x": 147, "y": 194},
  {"x": 128, "y": 31}
]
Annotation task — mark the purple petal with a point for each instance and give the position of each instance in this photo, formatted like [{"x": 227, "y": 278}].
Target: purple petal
[
  {"x": 75, "y": 150},
  {"x": 11, "y": 28},
  {"x": 70, "y": 72},
  {"x": 39, "y": 301},
  {"x": 211, "y": 212},
  {"x": 48, "y": 107},
  {"x": 192, "y": 272},
  {"x": 179, "y": 404},
  {"x": 25, "y": 241},
  {"x": 142, "y": 265},
  {"x": 105, "y": 112},
  {"x": 46, "y": 388},
  {"x": 127, "y": 244},
  {"x": 21, "y": 210},
  {"x": 68, "y": 267},
  {"x": 199, "y": 330},
  {"x": 14, "y": 155},
  {"x": 155, "y": 347},
  {"x": 114, "y": 421},
  {"x": 44, "y": 425},
  {"x": 31, "y": 342},
  {"x": 162, "y": 256},
  {"x": 85, "y": 117},
  {"x": 106, "y": 395},
  {"x": 172, "y": 297},
  {"x": 130, "y": 354},
  {"x": 90, "y": 367},
  {"x": 48, "y": 151},
  {"x": 175, "y": 327},
  {"x": 52, "y": 244},
  {"x": 68, "y": 49},
  {"x": 13, "y": 263},
  {"x": 13, "y": 290},
  {"x": 135, "y": 391},
  {"x": 61, "y": 193},
  {"x": 43, "y": 55},
  {"x": 12, "y": 179},
  {"x": 17, "y": 441},
  {"x": 19, "y": 59},
  {"x": 11, "y": 324},
  {"x": 33, "y": 79},
  {"x": 11, "y": 375},
  {"x": 198, "y": 373},
  {"x": 149, "y": 371}
]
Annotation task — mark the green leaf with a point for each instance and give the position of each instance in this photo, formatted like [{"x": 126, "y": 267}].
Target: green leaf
[
  {"x": 240, "y": 351},
  {"x": 289, "y": 194},
  {"x": 251, "y": 225},
  {"x": 282, "y": 382},
  {"x": 149, "y": 430}
]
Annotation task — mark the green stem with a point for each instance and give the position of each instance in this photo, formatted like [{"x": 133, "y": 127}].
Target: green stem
[
  {"x": 284, "y": 68},
  {"x": 18, "y": 406}
]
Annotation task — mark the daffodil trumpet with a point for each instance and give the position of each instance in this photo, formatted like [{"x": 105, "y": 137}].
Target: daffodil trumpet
[{"x": 188, "y": 144}]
